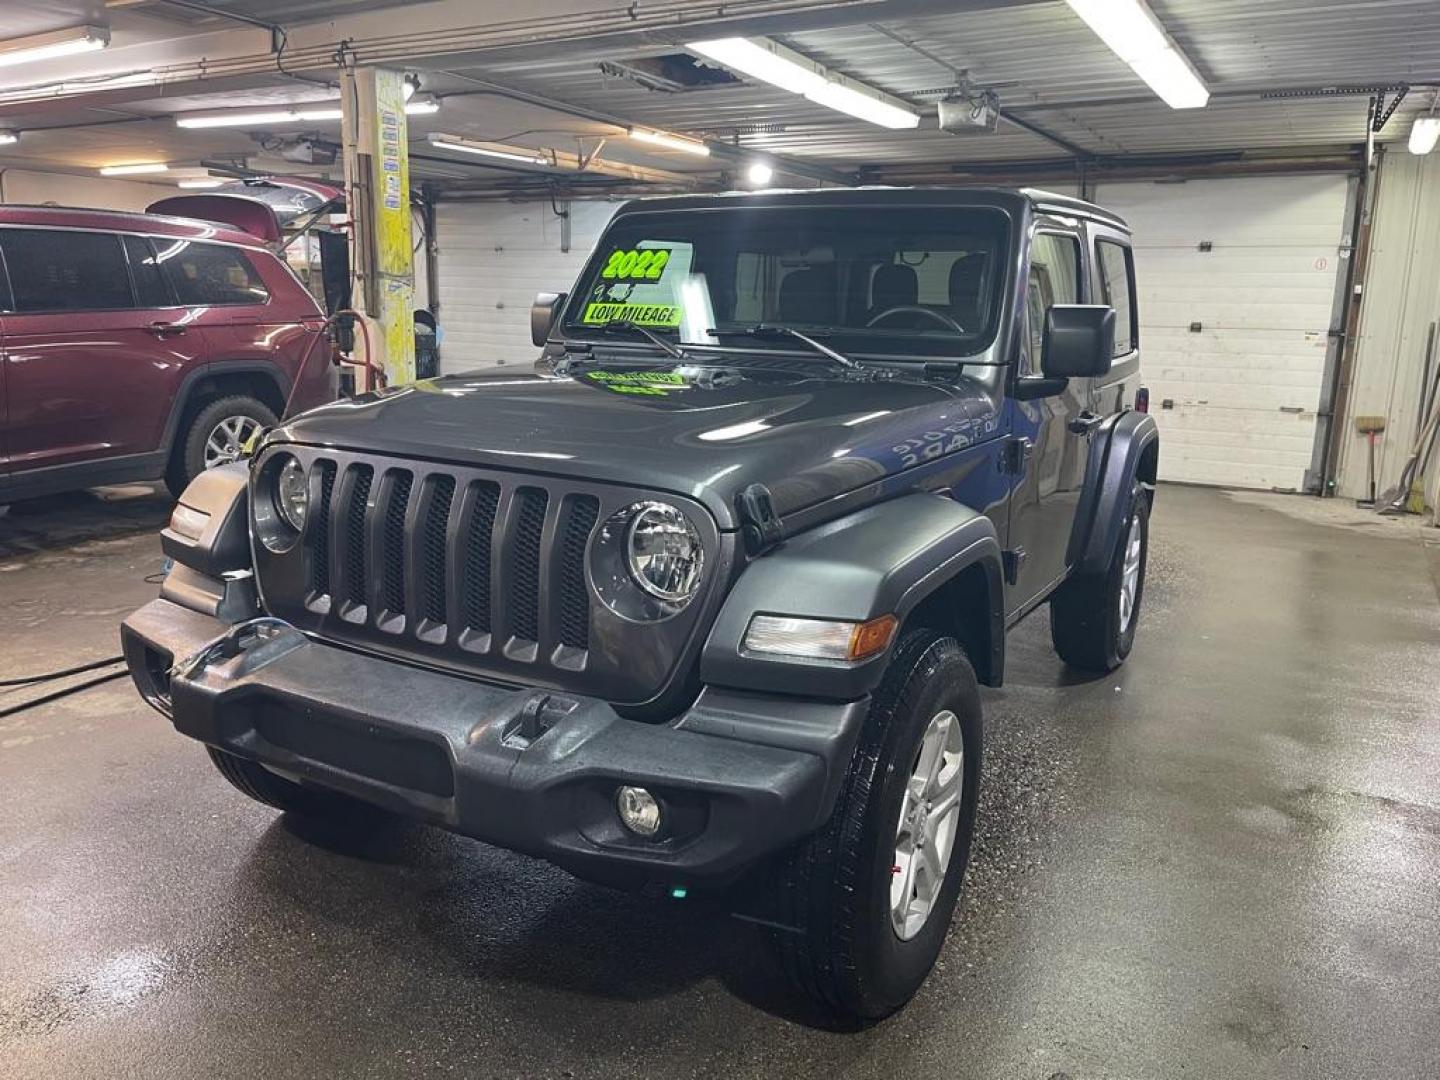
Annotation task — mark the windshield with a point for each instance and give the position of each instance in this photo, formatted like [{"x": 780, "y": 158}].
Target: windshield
[{"x": 883, "y": 280}]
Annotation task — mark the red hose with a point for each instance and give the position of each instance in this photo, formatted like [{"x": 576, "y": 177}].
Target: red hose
[{"x": 375, "y": 369}]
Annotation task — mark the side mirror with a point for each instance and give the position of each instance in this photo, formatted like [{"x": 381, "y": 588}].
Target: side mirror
[
  {"x": 543, "y": 313},
  {"x": 1079, "y": 341}
]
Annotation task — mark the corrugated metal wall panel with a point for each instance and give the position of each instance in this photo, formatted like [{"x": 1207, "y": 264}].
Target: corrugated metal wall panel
[
  {"x": 494, "y": 258},
  {"x": 1402, "y": 298},
  {"x": 1244, "y": 387}
]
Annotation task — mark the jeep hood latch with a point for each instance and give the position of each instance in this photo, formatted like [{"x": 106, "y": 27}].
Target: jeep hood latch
[{"x": 759, "y": 523}]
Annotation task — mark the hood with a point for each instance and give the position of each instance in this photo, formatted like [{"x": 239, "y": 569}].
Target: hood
[{"x": 706, "y": 432}]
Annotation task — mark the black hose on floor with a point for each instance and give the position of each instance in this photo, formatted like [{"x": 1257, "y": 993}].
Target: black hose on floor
[
  {"x": 56, "y": 695},
  {"x": 51, "y": 676}
]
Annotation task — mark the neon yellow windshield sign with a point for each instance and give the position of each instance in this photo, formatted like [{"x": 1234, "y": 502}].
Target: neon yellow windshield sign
[{"x": 664, "y": 316}]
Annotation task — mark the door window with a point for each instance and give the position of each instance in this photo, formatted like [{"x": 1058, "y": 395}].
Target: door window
[
  {"x": 1054, "y": 279},
  {"x": 151, "y": 288},
  {"x": 1117, "y": 288},
  {"x": 65, "y": 270},
  {"x": 210, "y": 274}
]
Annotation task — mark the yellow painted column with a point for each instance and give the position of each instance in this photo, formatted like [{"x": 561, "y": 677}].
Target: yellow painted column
[{"x": 377, "y": 190}]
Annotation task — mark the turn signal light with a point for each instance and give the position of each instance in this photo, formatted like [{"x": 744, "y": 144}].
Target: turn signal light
[
  {"x": 820, "y": 639},
  {"x": 1142, "y": 399},
  {"x": 188, "y": 522},
  {"x": 873, "y": 637}
]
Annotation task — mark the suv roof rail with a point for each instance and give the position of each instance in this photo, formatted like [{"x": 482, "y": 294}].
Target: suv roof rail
[{"x": 1054, "y": 202}]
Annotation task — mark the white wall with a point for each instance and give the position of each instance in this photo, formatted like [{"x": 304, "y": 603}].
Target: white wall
[
  {"x": 1401, "y": 299},
  {"x": 62, "y": 189},
  {"x": 494, "y": 258}
]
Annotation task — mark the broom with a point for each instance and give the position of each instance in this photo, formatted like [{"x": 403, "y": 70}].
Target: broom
[{"x": 1370, "y": 427}]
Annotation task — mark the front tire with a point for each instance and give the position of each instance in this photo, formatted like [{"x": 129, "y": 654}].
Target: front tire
[
  {"x": 870, "y": 896},
  {"x": 1093, "y": 616},
  {"x": 264, "y": 786}
]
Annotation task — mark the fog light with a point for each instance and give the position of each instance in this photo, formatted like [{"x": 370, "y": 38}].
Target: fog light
[{"x": 639, "y": 811}]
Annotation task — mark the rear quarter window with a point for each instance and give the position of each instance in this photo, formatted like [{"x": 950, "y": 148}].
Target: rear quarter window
[
  {"x": 210, "y": 273},
  {"x": 63, "y": 270},
  {"x": 1117, "y": 288}
]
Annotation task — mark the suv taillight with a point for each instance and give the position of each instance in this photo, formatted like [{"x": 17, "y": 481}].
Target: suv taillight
[{"x": 1142, "y": 399}]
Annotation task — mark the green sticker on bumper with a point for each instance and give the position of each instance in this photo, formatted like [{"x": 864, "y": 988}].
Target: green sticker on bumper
[{"x": 662, "y": 315}]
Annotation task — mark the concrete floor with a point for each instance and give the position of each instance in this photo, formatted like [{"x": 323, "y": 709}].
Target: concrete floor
[{"x": 1223, "y": 861}]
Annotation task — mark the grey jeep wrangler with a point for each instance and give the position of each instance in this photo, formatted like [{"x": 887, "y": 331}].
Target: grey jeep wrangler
[{"x": 708, "y": 593}]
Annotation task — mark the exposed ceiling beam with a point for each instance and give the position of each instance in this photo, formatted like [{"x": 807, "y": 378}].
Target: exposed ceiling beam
[{"x": 781, "y": 163}]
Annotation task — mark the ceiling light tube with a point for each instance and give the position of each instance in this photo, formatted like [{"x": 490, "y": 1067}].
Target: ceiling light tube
[
  {"x": 771, "y": 62},
  {"x": 8, "y": 137},
  {"x": 1424, "y": 134},
  {"x": 499, "y": 151},
  {"x": 764, "y": 60},
  {"x": 76, "y": 39},
  {"x": 294, "y": 114},
  {"x": 1132, "y": 33},
  {"x": 671, "y": 142},
  {"x": 200, "y": 182},
  {"x": 135, "y": 170}
]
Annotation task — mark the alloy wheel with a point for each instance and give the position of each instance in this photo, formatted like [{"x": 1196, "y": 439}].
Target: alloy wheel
[
  {"x": 929, "y": 820},
  {"x": 227, "y": 439},
  {"x": 1130, "y": 574}
]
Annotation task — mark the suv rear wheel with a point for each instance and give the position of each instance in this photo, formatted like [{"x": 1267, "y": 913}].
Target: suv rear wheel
[
  {"x": 871, "y": 894},
  {"x": 1093, "y": 616},
  {"x": 216, "y": 435}
]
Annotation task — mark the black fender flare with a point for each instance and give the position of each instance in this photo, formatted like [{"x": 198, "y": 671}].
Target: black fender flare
[
  {"x": 1115, "y": 455},
  {"x": 216, "y": 369},
  {"x": 883, "y": 559}
]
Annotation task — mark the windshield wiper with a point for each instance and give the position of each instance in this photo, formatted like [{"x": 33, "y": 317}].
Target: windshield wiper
[
  {"x": 670, "y": 348},
  {"x": 763, "y": 330}
]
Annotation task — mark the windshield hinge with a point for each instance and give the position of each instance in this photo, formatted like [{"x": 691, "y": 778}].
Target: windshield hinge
[
  {"x": 759, "y": 524},
  {"x": 1016, "y": 455}
]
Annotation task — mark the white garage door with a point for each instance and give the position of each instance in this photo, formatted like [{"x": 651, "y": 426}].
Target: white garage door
[
  {"x": 493, "y": 259},
  {"x": 1233, "y": 336}
]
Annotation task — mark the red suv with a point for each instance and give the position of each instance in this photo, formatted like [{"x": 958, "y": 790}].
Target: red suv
[{"x": 139, "y": 347}]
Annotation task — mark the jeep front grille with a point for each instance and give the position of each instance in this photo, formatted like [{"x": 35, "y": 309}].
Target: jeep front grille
[{"x": 468, "y": 568}]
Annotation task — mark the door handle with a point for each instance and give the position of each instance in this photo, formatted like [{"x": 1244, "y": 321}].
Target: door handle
[
  {"x": 165, "y": 329},
  {"x": 1085, "y": 423}
]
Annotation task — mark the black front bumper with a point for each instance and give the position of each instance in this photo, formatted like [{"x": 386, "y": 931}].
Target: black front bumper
[{"x": 738, "y": 775}]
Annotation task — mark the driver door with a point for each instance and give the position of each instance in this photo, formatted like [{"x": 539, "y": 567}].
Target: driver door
[{"x": 1047, "y": 493}]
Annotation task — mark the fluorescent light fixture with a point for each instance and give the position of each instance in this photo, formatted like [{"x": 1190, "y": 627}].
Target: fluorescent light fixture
[
  {"x": 201, "y": 182},
  {"x": 1133, "y": 33},
  {"x": 135, "y": 170},
  {"x": 771, "y": 62},
  {"x": 1424, "y": 134},
  {"x": 763, "y": 60},
  {"x": 76, "y": 39},
  {"x": 298, "y": 114},
  {"x": 499, "y": 151},
  {"x": 857, "y": 103},
  {"x": 294, "y": 114},
  {"x": 8, "y": 137},
  {"x": 759, "y": 174},
  {"x": 671, "y": 142}
]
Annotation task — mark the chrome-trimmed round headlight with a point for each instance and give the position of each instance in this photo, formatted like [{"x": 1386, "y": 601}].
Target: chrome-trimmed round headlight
[
  {"x": 292, "y": 494},
  {"x": 663, "y": 551}
]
